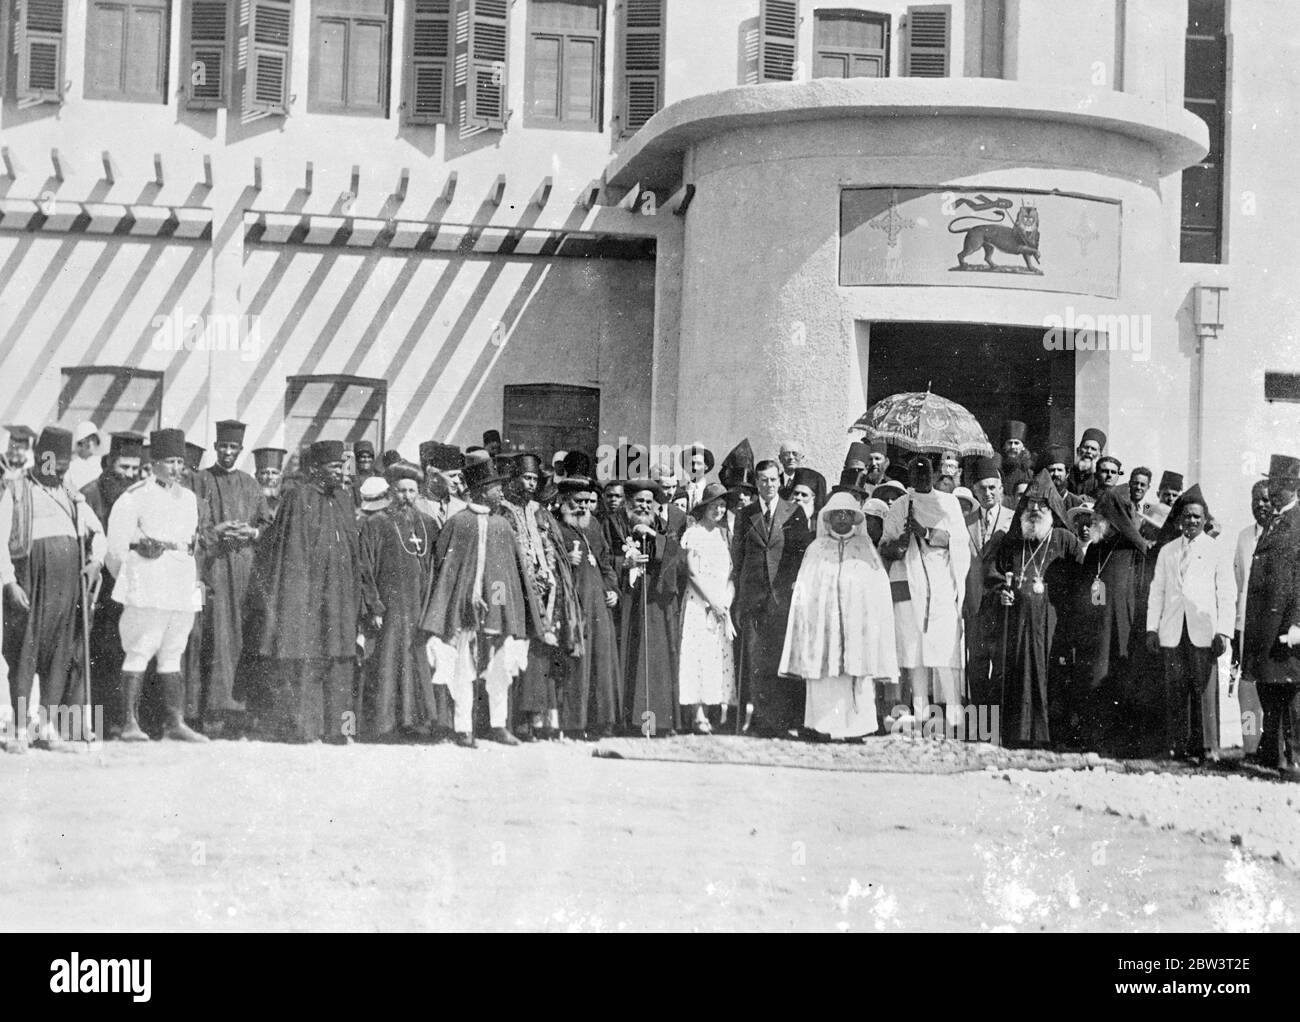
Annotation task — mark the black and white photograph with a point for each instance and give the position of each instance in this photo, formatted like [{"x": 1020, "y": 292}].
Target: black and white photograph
[{"x": 643, "y": 466}]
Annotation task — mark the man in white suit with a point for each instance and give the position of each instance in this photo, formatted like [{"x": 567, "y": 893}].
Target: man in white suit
[{"x": 1190, "y": 616}]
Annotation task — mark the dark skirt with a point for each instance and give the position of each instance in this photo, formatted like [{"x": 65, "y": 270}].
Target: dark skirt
[{"x": 42, "y": 641}]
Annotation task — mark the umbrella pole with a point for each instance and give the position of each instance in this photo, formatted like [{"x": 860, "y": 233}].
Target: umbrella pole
[{"x": 1002, "y": 658}]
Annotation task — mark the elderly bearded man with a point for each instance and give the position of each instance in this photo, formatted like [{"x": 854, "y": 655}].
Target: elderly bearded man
[
  {"x": 840, "y": 634},
  {"x": 268, "y": 470},
  {"x": 1017, "y": 459},
  {"x": 1083, "y": 478},
  {"x": 926, "y": 533}
]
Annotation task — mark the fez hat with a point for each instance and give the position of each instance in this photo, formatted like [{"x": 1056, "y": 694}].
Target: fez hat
[
  {"x": 374, "y": 494},
  {"x": 325, "y": 451},
  {"x": 1056, "y": 454},
  {"x": 125, "y": 445},
  {"x": 193, "y": 455},
  {"x": 879, "y": 446},
  {"x": 84, "y": 431},
  {"x": 577, "y": 484},
  {"x": 166, "y": 443},
  {"x": 712, "y": 492},
  {"x": 18, "y": 432},
  {"x": 480, "y": 471},
  {"x": 443, "y": 457},
  {"x": 400, "y": 470},
  {"x": 1171, "y": 481},
  {"x": 269, "y": 457},
  {"x": 859, "y": 453},
  {"x": 491, "y": 436},
  {"x": 987, "y": 468},
  {"x": 576, "y": 463},
  {"x": 1014, "y": 429},
  {"x": 391, "y": 457},
  {"x": 1093, "y": 433},
  {"x": 1113, "y": 460},
  {"x": 1283, "y": 466},
  {"x": 634, "y": 486},
  {"x": 56, "y": 441},
  {"x": 522, "y": 463},
  {"x": 363, "y": 447},
  {"x": 690, "y": 452},
  {"x": 230, "y": 431}
]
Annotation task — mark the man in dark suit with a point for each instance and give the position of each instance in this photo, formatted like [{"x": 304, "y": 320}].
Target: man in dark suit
[
  {"x": 761, "y": 606},
  {"x": 987, "y": 525},
  {"x": 1272, "y": 626}
]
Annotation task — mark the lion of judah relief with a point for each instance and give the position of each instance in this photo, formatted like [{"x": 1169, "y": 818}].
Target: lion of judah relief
[{"x": 1019, "y": 238}]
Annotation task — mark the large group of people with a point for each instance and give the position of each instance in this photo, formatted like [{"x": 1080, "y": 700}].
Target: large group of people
[{"x": 492, "y": 594}]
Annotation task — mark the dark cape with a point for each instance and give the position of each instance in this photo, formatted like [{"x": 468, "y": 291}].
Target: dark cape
[
  {"x": 106, "y": 654},
  {"x": 651, "y": 636},
  {"x": 226, "y": 567},
  {"x": 590, "y": 687},
  {"x": 397, "y": 564}
]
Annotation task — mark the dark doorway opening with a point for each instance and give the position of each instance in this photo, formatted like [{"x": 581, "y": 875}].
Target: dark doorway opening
[{"x": 996, "y": 372}]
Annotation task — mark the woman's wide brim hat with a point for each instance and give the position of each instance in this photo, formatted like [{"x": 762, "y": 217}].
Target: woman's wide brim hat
[{"x": 712, "y": 492}]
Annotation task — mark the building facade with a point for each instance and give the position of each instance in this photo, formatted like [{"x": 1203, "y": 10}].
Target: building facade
[{"x": 666, "y": 220}]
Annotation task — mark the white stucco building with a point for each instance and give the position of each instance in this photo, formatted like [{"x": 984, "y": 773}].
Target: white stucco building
[{"x": 666, "y": 220}]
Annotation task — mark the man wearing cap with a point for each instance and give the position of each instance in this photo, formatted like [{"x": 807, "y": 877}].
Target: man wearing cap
[
  {"x": 1017, "y": 460},
  {"x": 17, "y": 457},
  {"x": 1170, "y": 488},
  {"x": 482, "y": 610},
  {"x": 590, "y": 686},
  {"x": 1271, "y": 635},
  {"x": 363, "y": 457},
  {"x": 856, "y": 459},
  {"x": 444, "y": 487},
  {"x": 762, "y": 605},
  {"x": 1083, "y": 478},
  {"x": 85, "y": 464},
  {"x": 926, "y": 533},
  {"x": 268, "y": 469},
  {"x": 239, "y": 513},
  {"x": 396, "y": 558},
  {"x": 987, "y": 525},
  {"x": 552, "y": 582},
  {"x": 651, "y": 617},
  {"x": 1034, "y": 560},
  {"x": 877, "y": 457},
  {"x": 48, "y": 528},
  {"x": 302, "y": 607},
  {"x": 151, "y": 543}
]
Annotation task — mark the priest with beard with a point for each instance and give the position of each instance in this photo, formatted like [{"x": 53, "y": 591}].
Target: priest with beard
[
  {"x": 590, "y": 686},
  {"x": 1017, "y": 459},
  {"x": 651, "y": 614},
  {"x": 300, "y": 616},
  {"x": 925, "y": 532},
  {"x": 839, "y": 637},
  {"x": 397, "y": 566},
  {"x": 1083, "y": 478},
  {"x": 240, "y": 514},
  {"x": 268, "y": 469},
  {"x": 1035, "y": 560}
]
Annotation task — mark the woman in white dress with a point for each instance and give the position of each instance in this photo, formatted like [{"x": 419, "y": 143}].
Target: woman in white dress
[{"x": 707, "y": 672}]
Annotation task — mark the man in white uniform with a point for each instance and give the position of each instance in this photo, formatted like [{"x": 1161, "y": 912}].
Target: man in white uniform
[{"x": 151, "y": 534}]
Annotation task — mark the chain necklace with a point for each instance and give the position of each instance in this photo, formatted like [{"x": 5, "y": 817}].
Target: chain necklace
[
  {"x": 1028, "y": 561},
  {"x": 421, "y": 541}
]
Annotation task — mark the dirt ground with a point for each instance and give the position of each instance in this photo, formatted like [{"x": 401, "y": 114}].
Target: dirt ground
[{"x": 254, "y": 836}]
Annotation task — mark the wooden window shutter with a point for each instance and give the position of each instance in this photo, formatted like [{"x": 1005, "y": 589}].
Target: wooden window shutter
[
  {"x": 270, "y": 33},
  {"x": 207, "y": 67},
  {"x": 428, "y": 86},
  {"x": 489, "y": 35},
  {"x": 642, "y": 62},
  {"x": 38, "y": 40},
  {"x": 928, "y": 40},
  {"x": 778, "y": 40},
  {"x": 5, "y": 11}
]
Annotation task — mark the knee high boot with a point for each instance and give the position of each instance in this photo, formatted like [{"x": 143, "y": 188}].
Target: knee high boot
[
  {"x": 129, "y": 729},
  {"x": 174, "y": 693}
]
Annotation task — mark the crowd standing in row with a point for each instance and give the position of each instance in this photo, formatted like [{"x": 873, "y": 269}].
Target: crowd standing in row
[{"x": 477, "y": 592}]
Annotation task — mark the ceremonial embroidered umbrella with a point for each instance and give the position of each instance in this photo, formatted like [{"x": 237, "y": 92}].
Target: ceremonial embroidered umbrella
[{"x": 925, "y": 424}]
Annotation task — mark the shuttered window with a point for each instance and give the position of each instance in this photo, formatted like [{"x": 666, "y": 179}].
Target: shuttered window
[
  {"x": 850, "y": 44},
  {"x": 207, "y": 65},
  {"x": 429, "y": 55},
  {"x": 270, "y": 33},
  {"x": 347, "y": 408},
  {"x": 1205, "y": 83},
  {"x": 349, "y": 57},
  {"x": 118, "y": 399},
  {"x": 641, "y": 58},
  {"x": 565, "y": 46},
  {"x": 39, "y": 45},
  {"x": 778, "y": 40},
  {"x": 487, "y": 86},
  {"x": 927, "y": 41},
  {"x": 126, "y": 50}
]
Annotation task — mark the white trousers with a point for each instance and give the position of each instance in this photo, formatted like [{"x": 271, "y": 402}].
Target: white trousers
[
  {"x": 147, "y": 633},
  {"x": 455, "y": 667}
]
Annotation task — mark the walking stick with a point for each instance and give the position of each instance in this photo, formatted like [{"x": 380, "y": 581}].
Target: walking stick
[
  {"x": 647, "y": 726},
  {"x": 1002, "y": 656}
]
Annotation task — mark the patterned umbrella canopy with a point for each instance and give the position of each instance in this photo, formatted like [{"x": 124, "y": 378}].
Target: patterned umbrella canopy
[{"x": 924, "y": 423}]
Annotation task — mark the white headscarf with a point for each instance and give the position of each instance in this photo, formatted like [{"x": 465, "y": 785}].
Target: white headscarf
[{"x": 840, "y": 502}]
